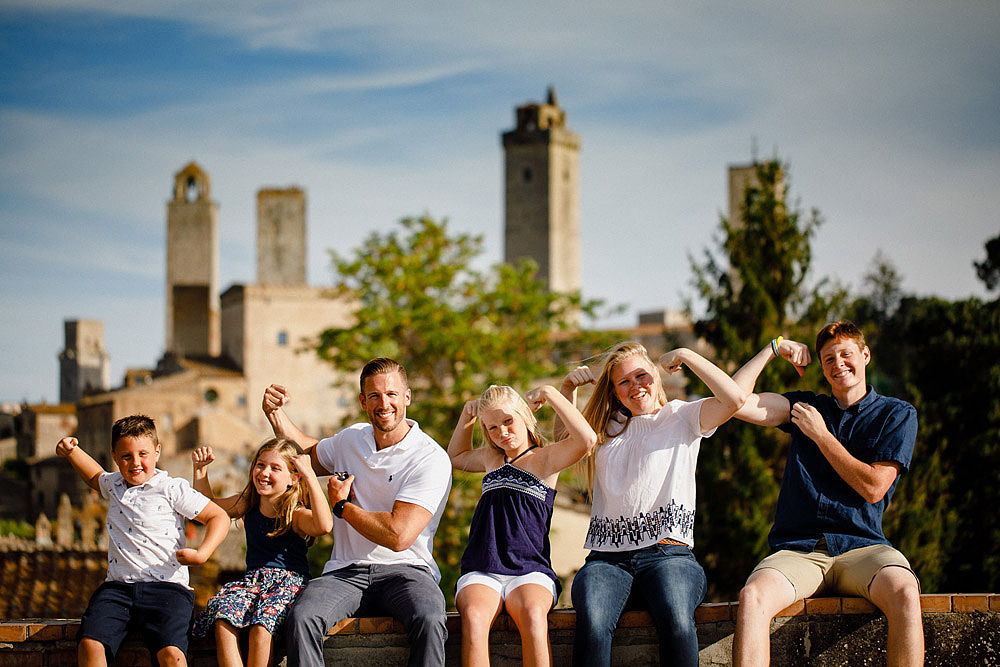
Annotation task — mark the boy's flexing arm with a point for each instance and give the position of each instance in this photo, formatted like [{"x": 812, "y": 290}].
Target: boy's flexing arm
[
  {"x": 84, "y": 464},
  {"x": 216, "y": 527},
  {"x": 768, "y": 408},
  {"x": 870, "y": 481}
]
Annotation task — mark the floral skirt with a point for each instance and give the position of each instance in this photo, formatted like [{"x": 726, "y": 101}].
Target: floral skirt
[{"x": 261, "y": 597}]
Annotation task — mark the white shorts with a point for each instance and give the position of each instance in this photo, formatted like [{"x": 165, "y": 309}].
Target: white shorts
[{"x": 505, "y": 583}]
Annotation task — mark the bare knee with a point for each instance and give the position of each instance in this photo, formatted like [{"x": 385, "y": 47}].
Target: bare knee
[
  {"x": 476, "y": 617},
  {"x": 533, "y": 618},
  {"x": 765, "y": 594},
  {"x": 172, "y": 656},
  {"x": 752, "y": 598},
  {"x": 896, "y": 592}
]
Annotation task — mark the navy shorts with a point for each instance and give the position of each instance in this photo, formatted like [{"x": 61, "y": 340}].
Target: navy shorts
[{"x": 160, "y": 611}]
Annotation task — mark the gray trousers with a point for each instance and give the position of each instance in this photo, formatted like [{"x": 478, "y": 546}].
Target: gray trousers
[{"x": 406, "y": 592}]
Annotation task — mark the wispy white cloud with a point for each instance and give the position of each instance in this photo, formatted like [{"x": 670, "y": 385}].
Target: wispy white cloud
[{"x": 886, "y": 112}]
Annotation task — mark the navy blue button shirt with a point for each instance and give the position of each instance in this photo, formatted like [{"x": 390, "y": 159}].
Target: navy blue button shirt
[{"x": 814, "y": 501}]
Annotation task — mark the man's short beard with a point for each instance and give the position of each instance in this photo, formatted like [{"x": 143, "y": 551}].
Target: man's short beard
[{"x": 375, "y": 424}]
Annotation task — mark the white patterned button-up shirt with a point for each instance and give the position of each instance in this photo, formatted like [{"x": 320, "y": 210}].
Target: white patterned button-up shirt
[{"x": 146, "y": 527}]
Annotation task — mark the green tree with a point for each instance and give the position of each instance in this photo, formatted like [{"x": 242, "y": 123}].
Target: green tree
[
  {"x": 754, "y": 287},
  {"x": 989, "y": 269},
  {"x": 455, "y": 330},
  {"x": 945, "y": 359},
  {"x": 921, "y": 520}
]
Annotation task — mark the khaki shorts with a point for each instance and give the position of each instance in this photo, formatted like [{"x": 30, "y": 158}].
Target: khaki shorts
[{"x": 849, "y": 574}]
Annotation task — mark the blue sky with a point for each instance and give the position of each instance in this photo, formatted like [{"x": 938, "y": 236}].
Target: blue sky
[{"x": 888, "y": 114}]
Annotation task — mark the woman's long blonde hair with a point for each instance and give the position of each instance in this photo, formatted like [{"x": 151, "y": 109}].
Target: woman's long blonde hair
[
  {"x": 296, "y": 496},
  {"x": 603, "y": 404},
  {"x": 503, "y": 396}
]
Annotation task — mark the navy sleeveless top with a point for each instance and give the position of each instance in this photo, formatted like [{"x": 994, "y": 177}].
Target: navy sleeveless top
[
  {"x": 509, "y": 533},
  {"x": 286, "y": 551}
]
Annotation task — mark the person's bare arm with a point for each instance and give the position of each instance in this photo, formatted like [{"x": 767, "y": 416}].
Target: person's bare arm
[
  {"x": 460, "y": 451},
  {"x": 870, "y": 480},
  {"x": 275, "y": 398},
  {"x": 575, "y": 379},
  {"x": 580, "y": 437},
  {"x": 396, "y": 530},
  {"x": 768, "y": 408},
  {"x": 84, "y": 464},
  {"x": 201, "y": 457},
  {"x": 316, "y": 520},
  {"x": 216, "y": 528},
  {"x": 727, "y": 396}
]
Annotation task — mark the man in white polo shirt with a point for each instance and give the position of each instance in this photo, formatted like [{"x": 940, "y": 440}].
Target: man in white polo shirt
[{"x": 389, "y": 506}]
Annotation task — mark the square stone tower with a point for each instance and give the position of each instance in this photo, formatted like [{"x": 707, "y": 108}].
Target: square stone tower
[
  {"x": 193, "y": 266},
  {"x": 281, "y": 237},
  {"x": 542, "y": 194},
  {"x": 84, "y": 364}
]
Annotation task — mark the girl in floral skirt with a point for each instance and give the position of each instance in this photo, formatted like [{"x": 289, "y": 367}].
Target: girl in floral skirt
[{"x": 280, "y": 524}]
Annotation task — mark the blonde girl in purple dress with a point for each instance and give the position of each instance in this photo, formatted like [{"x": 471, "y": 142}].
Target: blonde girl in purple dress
[
  {"x": 507, "y": 564},
  {"x": 280, "y": 522}
]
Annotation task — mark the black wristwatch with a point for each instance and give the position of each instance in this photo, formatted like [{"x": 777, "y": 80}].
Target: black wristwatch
[{"x": 338, "y": 508}]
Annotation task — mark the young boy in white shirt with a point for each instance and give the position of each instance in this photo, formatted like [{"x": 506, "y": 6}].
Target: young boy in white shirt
[{"x": 147, "y": 584}]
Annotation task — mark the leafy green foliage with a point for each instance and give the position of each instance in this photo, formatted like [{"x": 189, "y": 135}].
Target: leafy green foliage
[
  {"x": 17, "y": 528},
  {"x": 456, "y": 330},
  {"x": 989, "y": 269}
]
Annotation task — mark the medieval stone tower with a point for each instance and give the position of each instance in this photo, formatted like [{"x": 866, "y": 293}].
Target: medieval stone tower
[
  {"x": 84, "y": 364},
  {"x": 542, "y": 194},
  {"x": 193, "y": 266},
  {"x": 281, "y": 237}
]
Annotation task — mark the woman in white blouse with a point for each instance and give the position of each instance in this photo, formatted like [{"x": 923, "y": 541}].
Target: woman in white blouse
[{"x": 642, "y": 475}]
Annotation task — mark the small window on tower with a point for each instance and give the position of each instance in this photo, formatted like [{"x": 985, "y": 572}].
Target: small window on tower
[
  {"x": 527, "y": 175},
  {"x": 282, "y": 338},
  {"x": 191, "y": 190}
]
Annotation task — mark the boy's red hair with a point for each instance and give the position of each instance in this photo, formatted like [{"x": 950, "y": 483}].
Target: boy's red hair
[{"x": 839, "y": 331}]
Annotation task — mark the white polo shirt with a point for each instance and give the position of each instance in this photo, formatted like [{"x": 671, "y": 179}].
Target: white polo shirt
[
  {"x": 415, "y": 470},
  {"x": 146, "y": 526},
  {"x": 644, "y": 487}
]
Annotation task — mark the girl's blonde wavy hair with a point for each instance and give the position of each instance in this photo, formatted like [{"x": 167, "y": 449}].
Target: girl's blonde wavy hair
[
  {"x": 502, "y": 396},
  {"x": 604, "y": 404},
  {"x": 296, "y": 496}
]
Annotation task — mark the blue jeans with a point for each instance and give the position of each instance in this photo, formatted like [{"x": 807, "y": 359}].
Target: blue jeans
[
  {"x": 406, "y": 592},
  {"x": 664, "y": 579}
]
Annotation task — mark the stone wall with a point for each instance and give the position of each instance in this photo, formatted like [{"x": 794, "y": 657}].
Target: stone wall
[{"x": 960, "y": 630}]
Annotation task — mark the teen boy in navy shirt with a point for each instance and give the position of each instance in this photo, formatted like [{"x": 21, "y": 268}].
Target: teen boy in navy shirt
[
  {"x": 845, "y": 458},
  {"x": 147, "y": 584}
]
